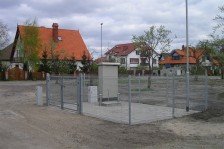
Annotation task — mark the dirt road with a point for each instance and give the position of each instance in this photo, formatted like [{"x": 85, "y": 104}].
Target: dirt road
[{"x": 24, "y": 125}]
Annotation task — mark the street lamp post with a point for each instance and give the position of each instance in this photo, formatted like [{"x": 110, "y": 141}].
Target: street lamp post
[
  {"x": 187, "y": 62},
  {"x": 101, "y": 41}
]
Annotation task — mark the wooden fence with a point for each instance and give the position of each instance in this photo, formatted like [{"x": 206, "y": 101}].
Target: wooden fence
[{"x": 18, "y": 74}]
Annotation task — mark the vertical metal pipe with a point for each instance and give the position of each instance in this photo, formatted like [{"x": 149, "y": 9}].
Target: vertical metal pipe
[
  {"x": 62, "y": 93},
  {"x": 100, "y": 102},
  {"x": 47, "y": 88},
  {"x": 173, "y": 97},
  {"x": 81, "y": 93},
  {"x": 118, "y": 97},
  {"x": 187, "y": 62},
  {"x": 84, "y": 80},
  {"x": 206, "y": 88},
  {"x": 129, "y": 98},
  {"x": 78, "y": 93},
  {"x": 139, "y": 91},
  {"x": 167, "y": 87},
  {"x": 101, "y": 40}
]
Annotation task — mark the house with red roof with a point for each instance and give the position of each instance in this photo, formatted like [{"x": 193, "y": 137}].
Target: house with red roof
[
  {"x": 68, "y": 42},
  {"x": 176, "y": 60},
  {"x": 129, "y": 56}
]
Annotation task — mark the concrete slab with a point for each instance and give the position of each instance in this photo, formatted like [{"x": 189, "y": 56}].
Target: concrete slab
[{"x": 140, "y": 113}]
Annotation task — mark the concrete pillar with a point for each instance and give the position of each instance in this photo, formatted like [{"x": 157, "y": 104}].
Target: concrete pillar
[{"x": 39, "y": 96}]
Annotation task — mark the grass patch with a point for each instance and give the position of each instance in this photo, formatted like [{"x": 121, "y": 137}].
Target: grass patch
[{"x": 208, "y": 114}]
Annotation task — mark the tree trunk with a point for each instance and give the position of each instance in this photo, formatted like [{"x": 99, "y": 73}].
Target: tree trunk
[{"x": 222, "y": 76}]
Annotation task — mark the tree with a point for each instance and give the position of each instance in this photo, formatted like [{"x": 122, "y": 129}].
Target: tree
[
  {"x": 30, "y": 44},
  {"x": 72, "y": 65},
  {"x": 218, "y": 53},
  {"x": 44, "y": 66},
  {"x": 152, "y": 40},
  {"x": 3, "y": 68},
  {"x": 219, "y": 19},
  {"x": 4, "y": 36},
  {"x": 85, "y": 64},
  {"x": 53, "y": 61},
  {"x": 218, "y": 40},
  {"x": 202, "y": 50}
]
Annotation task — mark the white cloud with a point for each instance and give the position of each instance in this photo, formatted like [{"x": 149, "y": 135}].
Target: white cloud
[{"x": 121, "y": 19}]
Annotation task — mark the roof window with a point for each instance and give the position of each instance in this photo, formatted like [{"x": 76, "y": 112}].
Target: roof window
[{"x": 59, "y": 38}]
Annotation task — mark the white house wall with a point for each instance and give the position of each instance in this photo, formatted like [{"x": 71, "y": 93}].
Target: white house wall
[
  {"x": 127, "y": 58},
  {"x": 78, "y": 64},
  {"x": 132, "y": 55},
  {"x": 18, "y": 52}
]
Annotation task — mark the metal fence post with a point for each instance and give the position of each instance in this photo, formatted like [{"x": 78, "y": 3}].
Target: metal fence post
[
  {"x": 81, "y": 93},
  {"x": 139, "y": 91},
  {"x": 129, "y": 98},
  {"x": 100, "y": 101},
  {"x": 47, "y": 88},
  {"x": 167, "y": 92},
  {"x": 78, "y": 93},
  {"x": 206, "y": 89},
  {"x": 173, "y": 99},
  {"x": 84, "y": 80},
  {"x": 62, "y": 92}
]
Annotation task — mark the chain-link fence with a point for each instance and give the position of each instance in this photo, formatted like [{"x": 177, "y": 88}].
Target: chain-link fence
[
  {"x": 62, "y": 91},
  {"x": 133, "y": 99}
]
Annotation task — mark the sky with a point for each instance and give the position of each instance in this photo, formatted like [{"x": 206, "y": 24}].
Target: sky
[{"x": 121, "y": 18}]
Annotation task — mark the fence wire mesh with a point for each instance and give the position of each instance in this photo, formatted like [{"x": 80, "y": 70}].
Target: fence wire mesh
[
  {"x": 137, "y": 102},
  {"x": 62, "y": 92},
  {"x": 134, "y": 99}
]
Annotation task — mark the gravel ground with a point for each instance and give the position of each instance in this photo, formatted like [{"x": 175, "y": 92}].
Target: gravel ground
[{"x": 24, "y": 125}]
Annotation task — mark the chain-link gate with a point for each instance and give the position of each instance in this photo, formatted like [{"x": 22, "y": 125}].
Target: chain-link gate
[{"x": 64, "y": 92}]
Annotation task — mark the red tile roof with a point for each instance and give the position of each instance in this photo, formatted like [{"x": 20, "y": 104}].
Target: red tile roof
[
  {"x": 121, "y": 49},
  {"x": 99, "y": 60},
  {"x": 71, "y": 42},
  {"x": 180, "y": 52},
  {"x": 192, "y": 56},
  {"x": 169, "y": 60}
]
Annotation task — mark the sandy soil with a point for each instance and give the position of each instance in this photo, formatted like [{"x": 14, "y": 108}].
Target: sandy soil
[{"x": 24, "y": 125}]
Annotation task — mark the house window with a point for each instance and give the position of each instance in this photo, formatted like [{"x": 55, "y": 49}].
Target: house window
[
  {"x": 59, "y": 38},
  {"x": 154, "y": 61},
  {"x": 138, "y": 52},
  {"x": 176, "y": 56},
  {"x": 134, "y": 60},
  {"x": 122, "y": 60}
]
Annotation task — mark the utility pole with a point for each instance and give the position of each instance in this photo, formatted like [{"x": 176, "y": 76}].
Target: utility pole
[
  {"x": 101, "y": 40},
  {"x": 187, "y": 62}
]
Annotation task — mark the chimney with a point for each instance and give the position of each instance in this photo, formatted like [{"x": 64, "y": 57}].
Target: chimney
[
  {"x": 182, "y": 47},
  {"x": 55, "y": 32}
]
